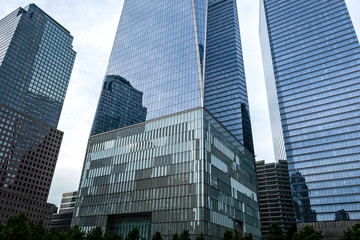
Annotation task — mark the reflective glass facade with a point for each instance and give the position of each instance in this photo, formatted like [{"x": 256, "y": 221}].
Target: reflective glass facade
[
  {"x": 179, "y": 55},
  {"x": 225, "y": 86},
  {"x": 155, "y": 50},
  {"x": 120, "y": 105},
  {"x": 183, "y": 171},
  {"x": 36, "y": 59},
  {"x": 312, "y": 54},
  {"x": 36, "y": 63}
]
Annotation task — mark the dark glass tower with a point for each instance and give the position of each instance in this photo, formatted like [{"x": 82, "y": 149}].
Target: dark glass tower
[
  {"x": 171, "y": 146},
  {"x": 225, "y": 86},
  {"x": 180, "y": 60},
  {"x": 312, "y": 66},
  {"x": 36, "y": 60}
]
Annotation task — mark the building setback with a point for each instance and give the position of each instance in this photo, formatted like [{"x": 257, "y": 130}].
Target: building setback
[
  {"x": 311, "y": 60},
  {"x": 182, "y": 158},
  {"x": 275, "y": 199},
  {"x": 36, "y": 60}
]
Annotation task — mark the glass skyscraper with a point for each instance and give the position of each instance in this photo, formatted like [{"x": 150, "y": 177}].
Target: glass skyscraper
[
  {"x": 312, "y": 68},
  {"x": 179, "y": 56},
  {"x": 36, "y": 60},
  {"x": 171, "y": 145}
]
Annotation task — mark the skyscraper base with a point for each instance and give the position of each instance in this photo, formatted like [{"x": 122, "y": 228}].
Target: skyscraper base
[{"x": 185, "y": 171}]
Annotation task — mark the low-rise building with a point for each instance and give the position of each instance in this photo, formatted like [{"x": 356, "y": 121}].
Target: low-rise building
[
  {"x": 62, "y": 220},
  {"x": 275, "y": 199}
]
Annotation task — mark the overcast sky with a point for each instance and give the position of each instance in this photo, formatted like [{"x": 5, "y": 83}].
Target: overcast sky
[{"x": 93, "y": 24}]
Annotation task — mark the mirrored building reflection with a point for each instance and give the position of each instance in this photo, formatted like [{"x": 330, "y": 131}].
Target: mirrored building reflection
[
  {"x": 301, "y": 197},
  {"x": 36, "y": 60},
  {"x": 342, "y": 215},
  {"x": 119, "y": 105}
]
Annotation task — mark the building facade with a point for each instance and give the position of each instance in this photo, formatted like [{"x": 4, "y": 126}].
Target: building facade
[
  {"x": 62, "y": 220},
  {"x": 181, "y": 172},
  {"x": 275, "y": 198},
  {"x": 311, "y": 61},
  {"x": 36, "y": 60},
  {"x": 166, "y": 171}
]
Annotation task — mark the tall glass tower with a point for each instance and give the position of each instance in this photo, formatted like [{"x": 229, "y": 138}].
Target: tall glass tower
[
  {"x": 36, "y": 60},
  {"x": 179, "y": 56},
  {"x": 171, "y": 146},
  {"x": 312, "y": 68}
]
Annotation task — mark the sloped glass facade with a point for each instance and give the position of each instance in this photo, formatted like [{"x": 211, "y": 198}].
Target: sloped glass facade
[
  {"x": 184, "y": 171},
  {"x": 315, "y": 57},
  {"x": 225, "y": 85},
  {"x": 155, "y": 50},
  {"x": 180, "y": 56}
]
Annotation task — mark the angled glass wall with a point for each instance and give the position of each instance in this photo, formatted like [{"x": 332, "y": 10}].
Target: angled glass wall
[
  {"x": 225, "y": 85},
  {"x": 155, "y": 50},
  {"x": 180, "y": 56}
]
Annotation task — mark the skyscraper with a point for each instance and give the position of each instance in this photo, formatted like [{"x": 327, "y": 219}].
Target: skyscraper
[
  {"x": 164, "y": 60},
  {"x": 36, "y": 60},
  {"x": 225, "y": 87},
  {"x": 311, "y": 60},
  {"x": 182, "y": 158}
]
